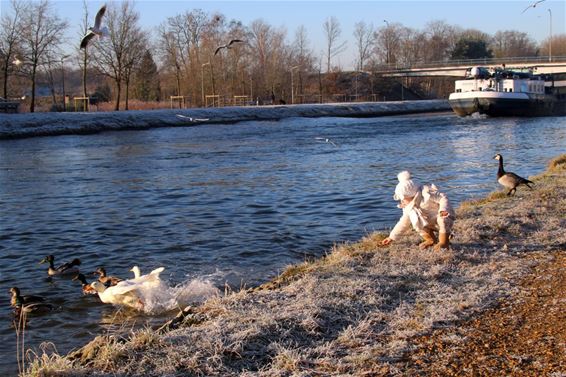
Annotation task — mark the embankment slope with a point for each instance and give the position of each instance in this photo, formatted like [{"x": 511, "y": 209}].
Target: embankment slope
[
  {"x": 49, "y": 124},
  {"x": 368, "y": 310}
]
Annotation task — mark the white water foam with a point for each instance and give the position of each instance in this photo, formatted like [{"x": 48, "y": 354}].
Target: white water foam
[{"x": 161, "y": 297}]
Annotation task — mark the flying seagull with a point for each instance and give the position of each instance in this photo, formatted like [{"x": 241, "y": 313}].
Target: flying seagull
[
  {"x": 326, "y": 140},
  {"x": 190, "y": 119},
  {"x": 229, "y": 45},
  {"x": 96, "y": 29},
  {"x": 533, "y": 5}
]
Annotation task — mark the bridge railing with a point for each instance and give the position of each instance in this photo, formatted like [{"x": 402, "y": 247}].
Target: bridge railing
[{"x": 475, "y": 62}]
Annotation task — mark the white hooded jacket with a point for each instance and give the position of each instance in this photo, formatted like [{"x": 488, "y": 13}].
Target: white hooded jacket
[{"x": 423, "y": 211}]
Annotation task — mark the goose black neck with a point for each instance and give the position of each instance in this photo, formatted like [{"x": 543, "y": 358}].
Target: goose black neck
[{"x": 501, "y": 171}]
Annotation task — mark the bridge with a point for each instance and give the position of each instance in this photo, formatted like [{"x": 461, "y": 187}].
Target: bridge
[{"x": 458, "y": 68}]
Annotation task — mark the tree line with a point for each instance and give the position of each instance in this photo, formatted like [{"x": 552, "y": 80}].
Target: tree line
[{"x": 180, "y": 58}]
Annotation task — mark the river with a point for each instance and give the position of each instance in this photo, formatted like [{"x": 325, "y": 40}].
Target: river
[{"x": 226, "y": 204}]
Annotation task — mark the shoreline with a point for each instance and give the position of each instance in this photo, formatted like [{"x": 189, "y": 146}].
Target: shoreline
[
  {"x": 16, "y": 126},
  {"x": 365, "y": 309}
]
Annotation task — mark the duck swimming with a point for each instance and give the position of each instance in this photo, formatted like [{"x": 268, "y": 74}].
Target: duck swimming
[
  {"x": 108, "y": 281},
  {"x": 64, "y": 269},
  {"x": 28, "y": 303},
  {"x": 87, "y": 288}
]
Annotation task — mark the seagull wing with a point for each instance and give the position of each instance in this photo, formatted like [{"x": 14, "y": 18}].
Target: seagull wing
[
  {"x": 235, "y": 41},
  {"x": 524, "y": 10},
  {"x": 218, "y": 49},
  {"x": 98, "y": 18},
  {"x": 87, "y": 38}
]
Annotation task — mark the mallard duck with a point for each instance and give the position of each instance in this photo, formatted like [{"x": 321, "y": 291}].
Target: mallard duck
[
  {"x": 508, "y": 179},
  {"x": 120, "y": 294},
  {"x": 64, "y": 269},
  {"x": 28, "y": 303},
  {"x": 17, "y": 298},
  {"x": 87, "y": 289},
  {"x": 108, "y": 281}
]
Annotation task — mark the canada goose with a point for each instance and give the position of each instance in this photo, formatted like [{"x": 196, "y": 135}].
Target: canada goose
[
  {"x": 64, "y": 269},
  {"x": 508, "y": 179}
]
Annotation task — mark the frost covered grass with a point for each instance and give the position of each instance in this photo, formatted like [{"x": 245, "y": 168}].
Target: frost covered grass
[{"x": 355, "y": 311}]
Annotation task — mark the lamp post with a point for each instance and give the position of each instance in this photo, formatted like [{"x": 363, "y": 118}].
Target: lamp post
[
  {"x": 251, "y": 88},
  {"x": 387, "y": 42},
  {"x": 63, "y": 80},
  {"x": 202, "y": 79},
  {"x": 550, "y": 41},
  {"x": 293, "y": 85}
]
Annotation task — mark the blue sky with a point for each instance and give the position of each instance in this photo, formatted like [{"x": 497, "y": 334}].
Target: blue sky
[{"x": 488, "y": 16}]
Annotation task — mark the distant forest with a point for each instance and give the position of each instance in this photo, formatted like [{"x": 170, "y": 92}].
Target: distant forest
[{"x": 180, "y": 63}]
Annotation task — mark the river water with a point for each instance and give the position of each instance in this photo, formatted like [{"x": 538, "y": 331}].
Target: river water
[{"x": 226, "y": 204}]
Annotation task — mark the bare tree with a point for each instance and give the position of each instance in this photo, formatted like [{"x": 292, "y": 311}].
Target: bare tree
[
  {"x": 114, "y": 55},
  {"x": 365, "y": 38},
  {"x": 332, "y": 32},
  {"x": 303, "y": 56},
  {"x": 558, "y": 45},
  {"x": 9, "y": 41},
  {"x": 180, "y": 43},
  {"x": 388, "y": 42},
  {"x": 170, "y": 54},
  {"x": 413, "y": 47},
  {"x": 41, "y": 31},
  {"x": 133, "y": 55},
  {"x": 512, "y": 43},
  {"x": 441, "y": 38}
]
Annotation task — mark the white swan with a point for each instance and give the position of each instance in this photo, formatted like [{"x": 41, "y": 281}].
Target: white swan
[{"x": 120, "y": 294}]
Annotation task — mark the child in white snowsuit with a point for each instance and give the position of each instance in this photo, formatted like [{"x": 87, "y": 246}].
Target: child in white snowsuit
[{"x": 426, "y": 210}]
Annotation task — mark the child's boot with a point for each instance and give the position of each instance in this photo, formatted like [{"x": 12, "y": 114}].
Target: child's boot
[
  {"x": 428, "y": 239},
  {"x": 443, "y": 242}
]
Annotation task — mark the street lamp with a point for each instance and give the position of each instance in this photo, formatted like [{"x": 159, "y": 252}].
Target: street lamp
[
  {"x": 63, "y": 80},
  {"x": 550, "y": 41},
  {"x": 293, "y": 85},
  {"x": 202, "y": 79}
]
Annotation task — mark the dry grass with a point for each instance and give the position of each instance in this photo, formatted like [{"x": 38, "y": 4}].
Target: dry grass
[
  {"x": 558, "y": 164},
  {"x": 353, "y": 312}
]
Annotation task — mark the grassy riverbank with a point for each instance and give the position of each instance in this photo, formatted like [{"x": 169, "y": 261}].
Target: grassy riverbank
[{"x": 368, "y": 310}]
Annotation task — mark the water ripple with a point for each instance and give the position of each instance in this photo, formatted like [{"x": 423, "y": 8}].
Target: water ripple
[{"x": 233, "y": 204}]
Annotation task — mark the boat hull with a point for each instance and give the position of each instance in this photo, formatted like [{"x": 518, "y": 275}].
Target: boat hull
[{"x": 507, "y": 104}]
